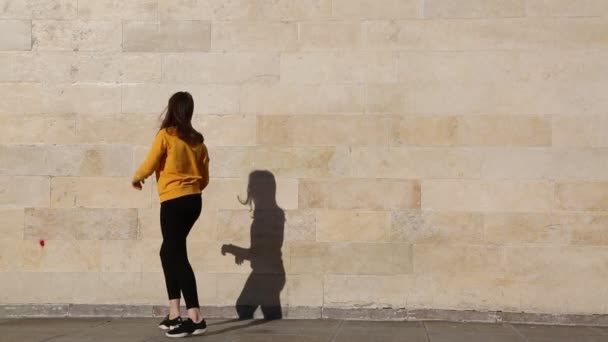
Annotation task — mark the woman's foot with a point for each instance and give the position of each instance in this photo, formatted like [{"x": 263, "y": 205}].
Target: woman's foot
[
  {"x": 168, "y": 324},
  {"x": 188, "y": 328}
]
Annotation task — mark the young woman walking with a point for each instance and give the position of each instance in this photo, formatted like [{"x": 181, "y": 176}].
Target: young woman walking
[{"x": 180, "y": 161}]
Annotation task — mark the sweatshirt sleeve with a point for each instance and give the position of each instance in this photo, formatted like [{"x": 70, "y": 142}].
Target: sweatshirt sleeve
[
  {"x": 158, "y": 150},
  {"x": 204, "y": 168}
]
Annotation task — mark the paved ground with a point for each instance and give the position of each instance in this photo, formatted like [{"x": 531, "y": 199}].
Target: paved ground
[{"x": 140, "y": 330}]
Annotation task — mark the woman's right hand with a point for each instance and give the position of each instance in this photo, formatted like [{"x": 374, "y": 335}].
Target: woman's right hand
[{"x": 137, "y": 184}]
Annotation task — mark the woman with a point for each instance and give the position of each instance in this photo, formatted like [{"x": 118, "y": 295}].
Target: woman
[{"x": 180, "y": 161}]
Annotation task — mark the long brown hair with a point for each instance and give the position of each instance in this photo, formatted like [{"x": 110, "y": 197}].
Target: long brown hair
[{"x": 178, "y": 115}]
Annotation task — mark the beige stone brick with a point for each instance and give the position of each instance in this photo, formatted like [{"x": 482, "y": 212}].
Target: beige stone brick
[
  {"x": 580, "y": 164},
  {"x": 207, "y": 257},
  {"x": 576, "y": 131},
  {"x": 118, "y": 129},
  {"x": 82, "y": 98},
  {"x": 20, "y": 37},
  {"x": 329, "y": 35},
  {"x": 66, "y": 256},
  {"x": 374, "y": 10},
  {"x": 141, "y": 67},
  {"x": 245, "y": 9},
  {"x": 231, "y": 162},
  {"x": 96, "y": 67},
  {"x": 376, "y": 291},
  {"x": 415, "y": 162},
  {"x": 166, "y": 36},
  {"x": 150, "y": 255},
  {"x": 148, "y": 224},
  {"x": 339, "y": 67},
  {"x": 521, "y": 228},
  {"x": 25, "y": 287},
  {"x": 504, "y": 131},
  {"x": 254, "y": 36},
  {"x": 419, "y": 227},
  {"x": 565, "y": 8},
  {"x": 30, "y": 129},
  {"x": 475, "y": 290},
  {"x": 582, "y": 229},
  {"x": 370, "y": 258},
  {"x": 227, "y": 130},
  {"x": 349, "y": 226},
  {"x": 304, "y": 290},
  {"x": 302, "y": 162},
  {"x": 474, "y": 8},
  {"x": 152, "y": 290},
  {"x": 153, "y": 98},
  {"x": 309, "y": 257},
  {"x": 61, "y": 35},
  {"x": 457, "y": 259},
  {"x": 484, "y": 34},
  {"x": 66, "y": 160},
  {"x": 357, "y": 194},
  {"x": 118, "y": 9},
  {"x": 581, "y": 196},
  {"x": 518, "y": 163},
  {"x": 334, "y": 130},
  {"x": 475, "y": 195},
  {"x": 17, "y": 191},
  {"x": 13, "y": 223},
  {"x": 38, "y": 9},
  {"x": 80, "y": 224},
  {"x": 38, "y": 66},
  {"x": 301, "y": 99},
  {"x": 221, "y": 67},
  {"x": 424, "y": 131},
  {"x": 234, "y": 226},
  {"x": 121, "y": 256},
  {"x": 97, "y": 192}
]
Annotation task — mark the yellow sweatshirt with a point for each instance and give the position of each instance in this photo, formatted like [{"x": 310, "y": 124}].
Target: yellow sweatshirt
[{"x": 181, "y": 169}]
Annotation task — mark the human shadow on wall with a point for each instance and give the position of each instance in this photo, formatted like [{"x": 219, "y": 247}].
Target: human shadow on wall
[{"x": 267, "y": 279}]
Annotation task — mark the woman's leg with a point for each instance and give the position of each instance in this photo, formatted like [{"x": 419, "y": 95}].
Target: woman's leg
[{"x": 168, "y": 214}]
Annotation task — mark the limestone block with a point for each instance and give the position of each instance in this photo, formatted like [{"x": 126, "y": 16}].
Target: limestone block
[
  {"x": 20, "y": 37},
  {"x": 424, "y": 131},
  {"x": 13, "y": 223},
  {"x": 574, "y": 131},
  {"x": 565, "y": 8},
  {"x": 334, "y": 130},
  {"x": 273, "y": 99},
  {"x": 38, "y": 9},
  {"x": 97, "y": 192},
  {"x": 302, "y": 161},
  {"x": 378, "y": 291},
  {"x": 583, "y": 229},
  {"x": 23, "y": 191},
  {"x": 435, "y": 227},
  {"x": 153, "y": 98},
  {"x": 370, "y": 258},
  {"x": 122, "y": 256},
  {"x": 415, "y": 162},
  {"x": 518, "y": 163},
  {"x": 581, "y": 196},
  {"x": 61, "y": 35},
  {"x": 309, "y": 257},
  {"x": 304, "y": 290},
  {"x": 166, "y": 36},
  {"x": 349, "y": 226},
  {"x": 504, "y": 131},
  {"x": 457, "y": 259},
  {"x": 226, "y": 130},
  {"x": 26, "y": 129},
  {"x": 475, "y": 9},
  {"x": 25, "y": 287},
  {"x": 339, "y": 67},
  {"x": 220, "y": 67},
  {"x": 475, "y": 290},
  {"x": 374, "y": 10},
  {"x": 66, "y": 160},
  {"x": 80, "y": 224},
  {"x": 63, "y": 256},
  {"x": 118, "y": 129},
  {"x": 521, "y": 228},
  {"x": 329, "y": 35},
  {"x": 141, "y": 67},
  {"x": 231, "y": 162},
  {"x": 361, "y": 194},
  {"x": 234, "y": 226},
  {"x": 222, "y": 193},
  {"x": 118, "y": 9},
  {"x": 475, "y": 195},
  {"x": 150, "y": 255},
  {"x": 580, "y": 164},
  {"x": 148, "y": 224},
  {"x": 241, "y": 36}
]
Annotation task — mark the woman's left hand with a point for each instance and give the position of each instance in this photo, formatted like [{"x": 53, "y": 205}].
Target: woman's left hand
[{"x": 137, "y": 184}]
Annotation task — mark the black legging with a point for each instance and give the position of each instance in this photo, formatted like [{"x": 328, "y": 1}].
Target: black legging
[{"x": 177, "y": 216}]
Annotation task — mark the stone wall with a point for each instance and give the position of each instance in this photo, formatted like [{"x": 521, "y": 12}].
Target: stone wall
[{"x": 429, "y": 154}]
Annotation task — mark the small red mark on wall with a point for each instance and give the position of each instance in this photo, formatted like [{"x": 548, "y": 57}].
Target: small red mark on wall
[{"x": 41, "y": 242}]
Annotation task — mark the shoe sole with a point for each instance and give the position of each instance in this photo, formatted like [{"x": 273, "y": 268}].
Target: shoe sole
[
  {"x": 164, "y": 327},
  {"x": 194, "y": 333}
]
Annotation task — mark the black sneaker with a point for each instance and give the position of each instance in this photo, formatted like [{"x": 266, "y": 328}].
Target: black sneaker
[
  {"x": 188, "y": 328},
  {"x": 169, "y": 324}
]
